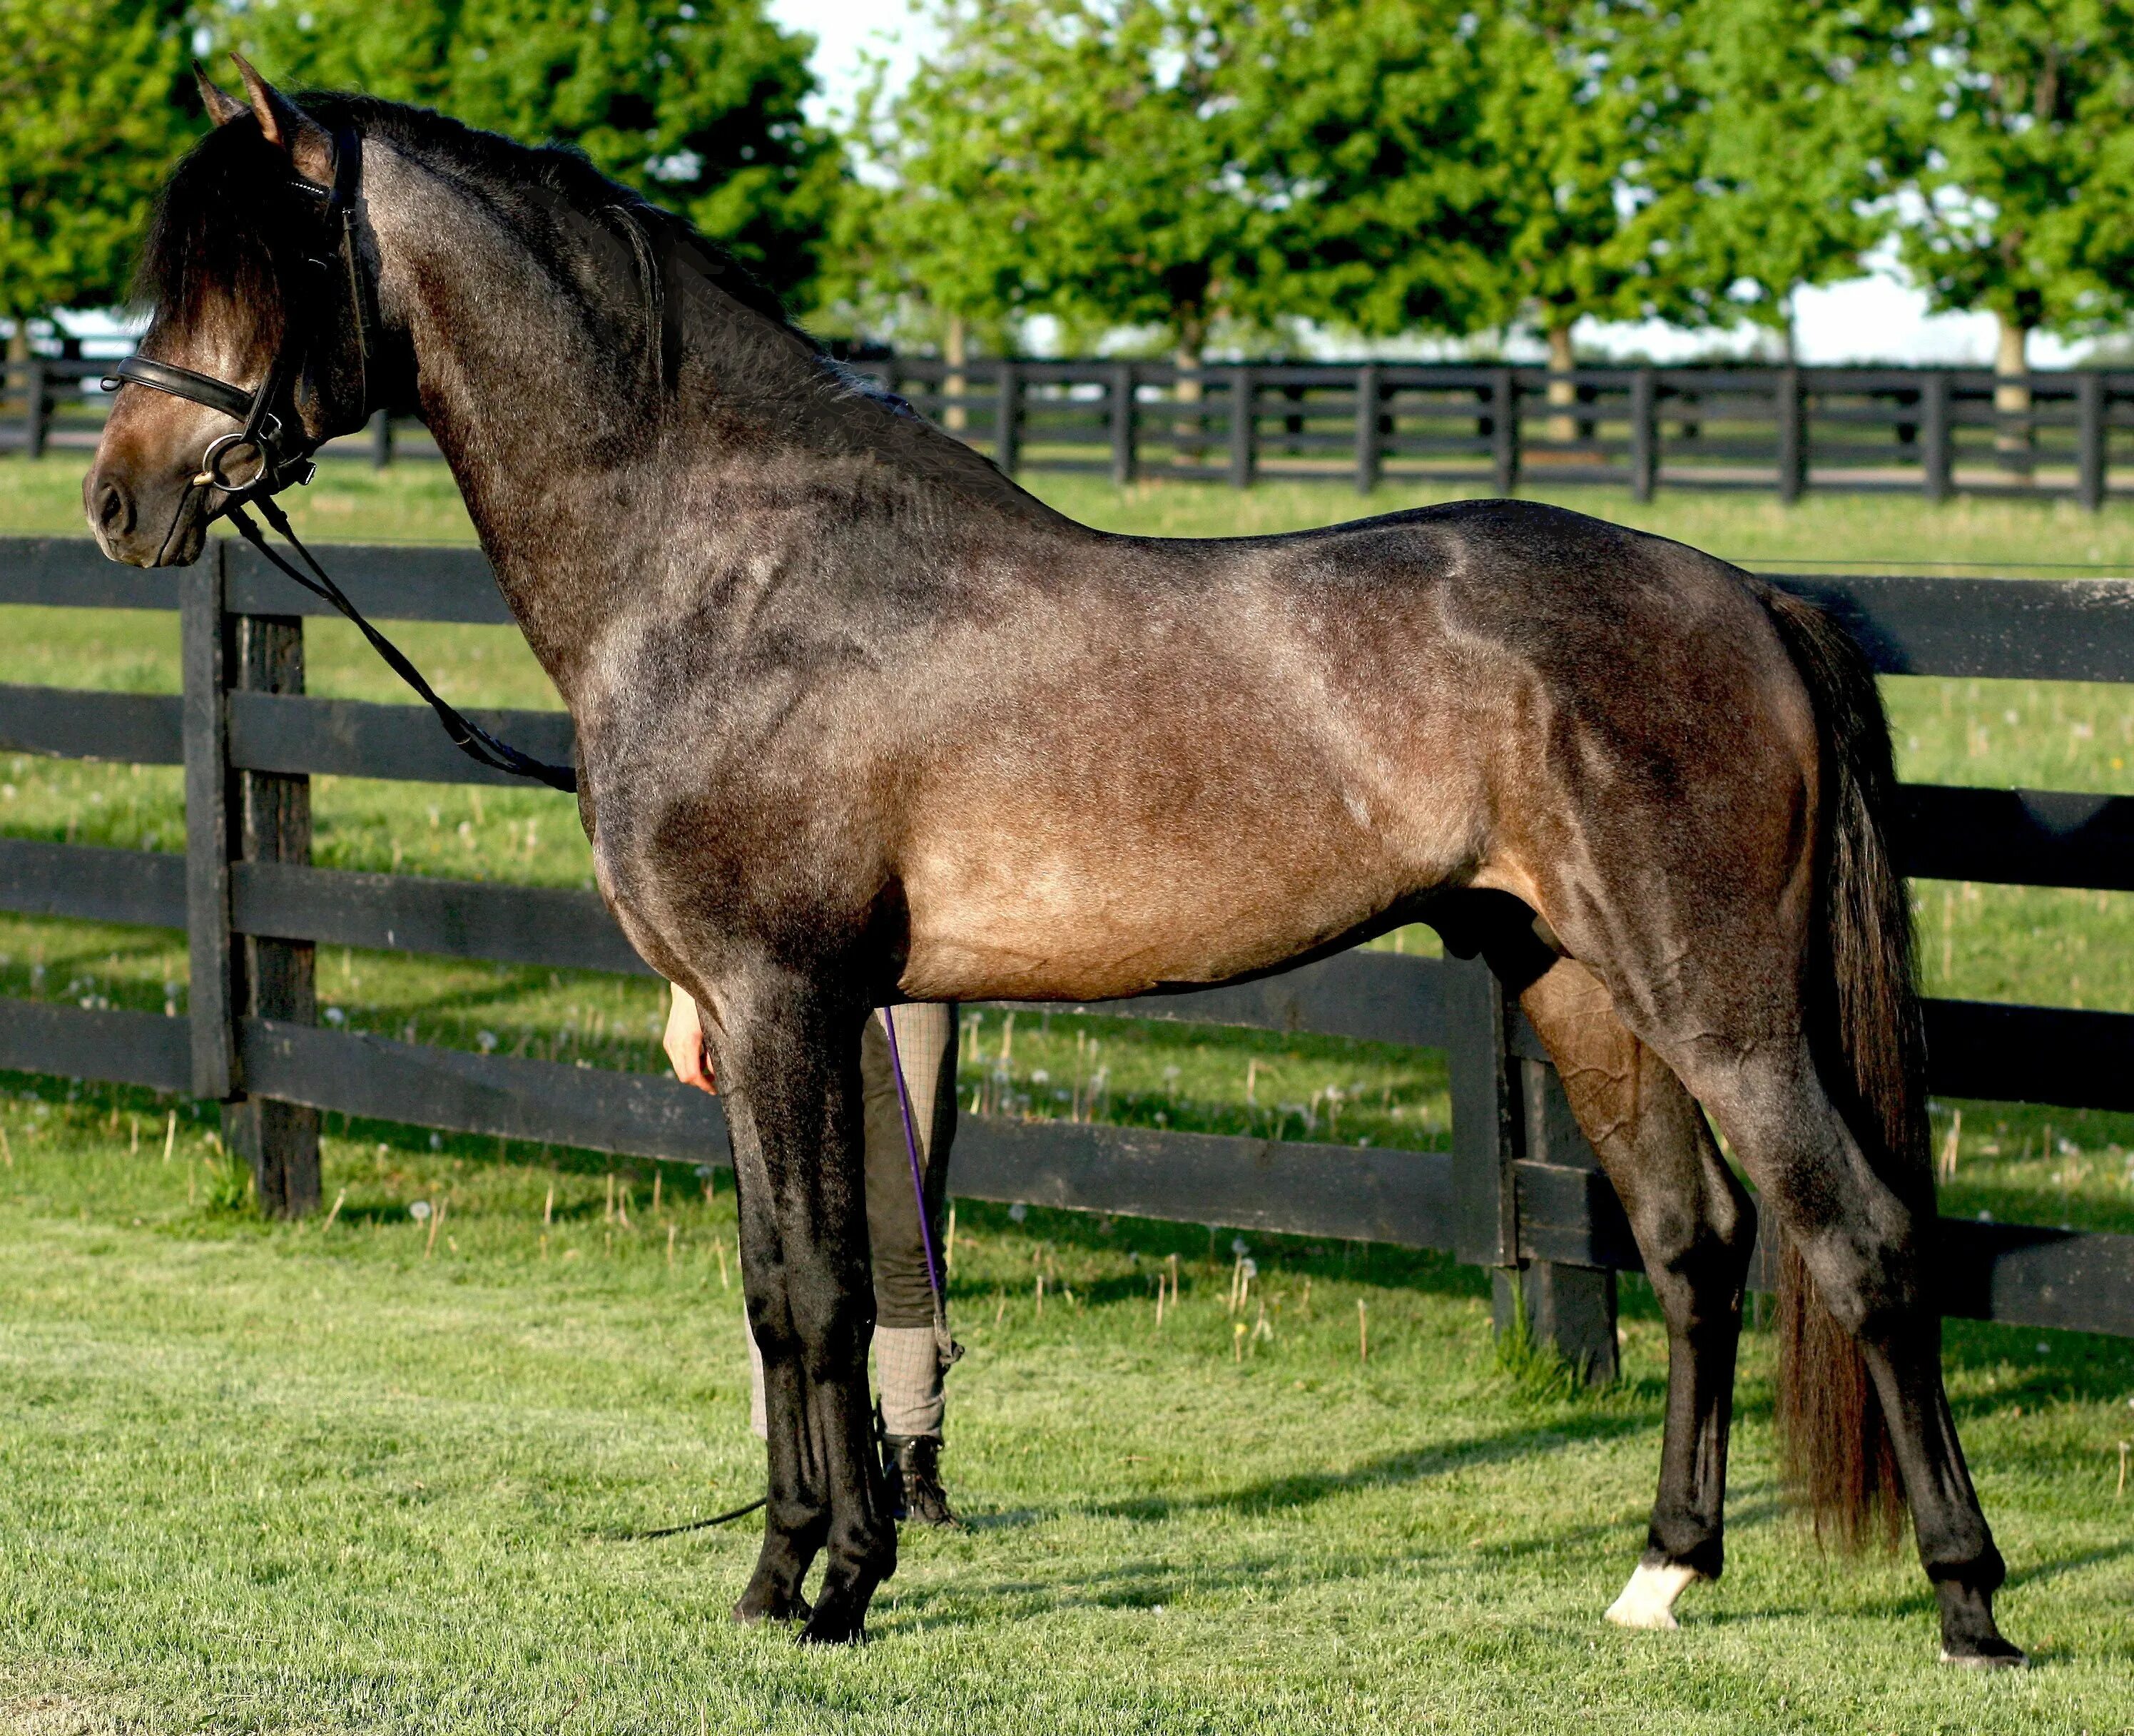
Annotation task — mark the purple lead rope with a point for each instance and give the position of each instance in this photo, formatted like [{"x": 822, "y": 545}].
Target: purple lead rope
[{"x": 948, "y": 1348}]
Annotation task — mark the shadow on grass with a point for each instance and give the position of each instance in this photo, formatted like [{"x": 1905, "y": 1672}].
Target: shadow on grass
[{"x": 1391, "y": 1470}]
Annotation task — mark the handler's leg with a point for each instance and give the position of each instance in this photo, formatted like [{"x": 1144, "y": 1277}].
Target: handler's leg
[
  {"x": 908, "y": 1361},
  {"x": 787, "y": 1058}
]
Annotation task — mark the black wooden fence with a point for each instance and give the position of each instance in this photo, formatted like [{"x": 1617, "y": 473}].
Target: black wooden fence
[
  {"x": 1518, "y": 1191},
  {"x": 1933, "y": 432}
]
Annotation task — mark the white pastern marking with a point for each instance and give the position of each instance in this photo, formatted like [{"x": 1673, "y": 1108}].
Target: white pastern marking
[{"x": 1648, "y": 1601}]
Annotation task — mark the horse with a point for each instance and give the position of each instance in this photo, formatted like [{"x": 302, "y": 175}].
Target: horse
[{"x": 860, "y": 720}]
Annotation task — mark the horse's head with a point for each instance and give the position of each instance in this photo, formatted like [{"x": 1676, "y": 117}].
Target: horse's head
[{"x": 256, "y": 350}]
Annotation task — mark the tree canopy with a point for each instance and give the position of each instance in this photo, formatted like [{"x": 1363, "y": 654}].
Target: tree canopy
[
  {"x": 95, "y": 106},
  {"x": 2017, "y": 115},
  {"x": 1078, "y": 157},
  {"x": 1209, "y": 170}
]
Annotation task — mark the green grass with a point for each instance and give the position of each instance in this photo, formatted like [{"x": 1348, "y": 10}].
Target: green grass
[
  {"x": 272, "y": 1478},
  {"x": 358, "y": 1478}
]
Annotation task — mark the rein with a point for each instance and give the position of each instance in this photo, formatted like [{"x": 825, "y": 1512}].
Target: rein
[{"x": 279, "y": 461}]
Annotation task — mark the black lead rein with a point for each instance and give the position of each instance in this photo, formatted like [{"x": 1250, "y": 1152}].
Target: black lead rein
[{"x": 469, "y": 736}]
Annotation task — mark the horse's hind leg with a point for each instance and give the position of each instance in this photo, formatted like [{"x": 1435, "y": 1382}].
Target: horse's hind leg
[
  {"x": 1696, "y": 1228},
  {"x": 788, "y": 1064},
  {"x": 1863, "y": 1241}
]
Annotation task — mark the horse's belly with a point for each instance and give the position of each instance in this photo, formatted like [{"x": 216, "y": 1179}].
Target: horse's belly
[{"x": 1106, "y": 922}]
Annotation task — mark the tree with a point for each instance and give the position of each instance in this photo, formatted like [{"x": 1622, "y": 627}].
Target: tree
[
  {"x": 1581, "y": 139},
  {"x": 939, "y": 240},
  {"x": 1791, "y": 146},
  {"x": 2016, "y": 114},
  {"x": 1078, "y": 157},
  {"x": 1356, "y": 124},
  {"x": 91, "y": 122},
  {"x": 698, "y": 106}
]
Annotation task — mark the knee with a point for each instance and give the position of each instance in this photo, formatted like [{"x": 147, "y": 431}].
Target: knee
[{"x": 830, "y": 1331}]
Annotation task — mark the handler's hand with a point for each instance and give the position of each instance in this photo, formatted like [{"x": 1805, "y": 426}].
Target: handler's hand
[{"x": 685, "y": 1043}]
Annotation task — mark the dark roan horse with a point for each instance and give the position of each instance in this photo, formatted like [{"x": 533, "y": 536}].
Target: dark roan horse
[{"x": 859, "y": 720}]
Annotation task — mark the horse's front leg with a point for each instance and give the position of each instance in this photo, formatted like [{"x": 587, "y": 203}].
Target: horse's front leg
[{"x": 788, "y": 1060}]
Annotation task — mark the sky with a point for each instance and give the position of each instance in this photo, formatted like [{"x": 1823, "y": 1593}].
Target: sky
[{"x": 1873, "y": 318}]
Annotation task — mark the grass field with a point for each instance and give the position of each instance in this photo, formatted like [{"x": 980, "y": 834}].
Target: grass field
[{"x": 365, "y": 1478}]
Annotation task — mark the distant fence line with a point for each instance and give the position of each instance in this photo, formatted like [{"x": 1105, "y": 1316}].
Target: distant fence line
[
  {"x": 1933, "y": 431},
  {"x": 1520, "y": 1191}
]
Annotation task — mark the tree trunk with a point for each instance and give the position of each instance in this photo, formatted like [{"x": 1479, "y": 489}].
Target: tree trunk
[
  {"x": 2012, "y": 434},
  {"x": 957, "y": 350},
  {"x": 1561, "y": 428}
]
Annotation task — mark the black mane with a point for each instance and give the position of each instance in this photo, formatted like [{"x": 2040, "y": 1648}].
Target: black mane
[{"x": 233, "y": 223}]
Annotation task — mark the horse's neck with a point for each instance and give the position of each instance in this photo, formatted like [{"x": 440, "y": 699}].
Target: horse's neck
[{"x": 592, "y": 487}]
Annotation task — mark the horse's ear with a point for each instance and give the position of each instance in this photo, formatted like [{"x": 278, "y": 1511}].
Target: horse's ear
[
  {"x": 222, "y": 108},
  {"x": 282, "y": 123}
]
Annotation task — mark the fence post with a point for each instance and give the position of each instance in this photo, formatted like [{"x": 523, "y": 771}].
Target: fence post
[
  {"x": 1570, "y": 1308},
  {"x": 1937, "y": 458},
  {"x": 207, "y": 825},
  {"x": 270, "y": 821},
  {"x": 1244, "y": 426},
  {"x": 381, "y": 440},
  {"x": 1792, "y": 436},
  {"x": 1008, "y": 431},
  {"x": 1368, "y": 395},
  {"x": 1502, "y": 1109},
  {"x": 36, "y": 408},
  {"x": 1122, "y": 423},
  {"x": 1504, "y": 431},
  {"x": 1644, "y": 433},
  {"x": 2089, "y": 433},
  {"x": 1485, "y": 1201}
]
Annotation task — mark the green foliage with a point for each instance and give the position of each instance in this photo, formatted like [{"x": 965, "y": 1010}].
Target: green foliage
[
  {"x": 1077, "y": 157},
  {"x": 227, "y": 1183},
  {"x": 1358, "y": 125},
  {"x": 2021, "y": 158},
  {"x": 1537, "y": 1373},
  {"x": 94, "y": 110},
  {"x": 1389, "y": 166},
  {"x": 696, "y": 105},
  {"x": 1585, "y": 139},
  {"x": 1792, "y": 144}
]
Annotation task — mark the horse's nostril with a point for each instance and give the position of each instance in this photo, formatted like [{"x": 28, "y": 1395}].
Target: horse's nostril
[{"x": 114, "y": 508}]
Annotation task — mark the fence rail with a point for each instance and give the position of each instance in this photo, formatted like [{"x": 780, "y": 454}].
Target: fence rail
[
  {"x": 1519, "y": 1192},
  {"x": 1933, "y": 431}
]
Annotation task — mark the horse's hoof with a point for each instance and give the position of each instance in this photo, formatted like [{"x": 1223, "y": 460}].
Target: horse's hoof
[
  {"x": 831, "y": 1627},
  {"x": 1992, "y": 1654},
  {"x": 757, "y": 1607},
  {"x": 1648, "y": 1601}
]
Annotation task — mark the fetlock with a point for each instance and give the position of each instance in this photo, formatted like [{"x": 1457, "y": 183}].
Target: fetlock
[{"x": 912, "y": 1464}]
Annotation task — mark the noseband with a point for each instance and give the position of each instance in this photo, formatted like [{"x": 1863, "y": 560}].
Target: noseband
[
  {"x": 270, "y": 451},
  {"x": 279, "y": 453}
]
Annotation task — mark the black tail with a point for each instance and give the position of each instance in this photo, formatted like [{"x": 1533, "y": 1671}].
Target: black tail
[{"x": 1871, "y": 1054}]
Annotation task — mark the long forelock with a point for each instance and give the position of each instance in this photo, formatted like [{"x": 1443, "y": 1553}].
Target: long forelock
[{"x": 228, "y": 228}]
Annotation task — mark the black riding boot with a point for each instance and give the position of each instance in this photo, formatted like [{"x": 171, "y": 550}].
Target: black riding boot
[{"x": 912, "y": 1462}]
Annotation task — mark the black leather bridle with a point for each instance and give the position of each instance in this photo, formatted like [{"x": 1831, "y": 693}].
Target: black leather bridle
[{"x": 270, "y": 451}]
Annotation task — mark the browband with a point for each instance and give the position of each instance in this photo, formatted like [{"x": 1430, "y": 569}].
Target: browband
[{"x": 234, "y": 402}]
